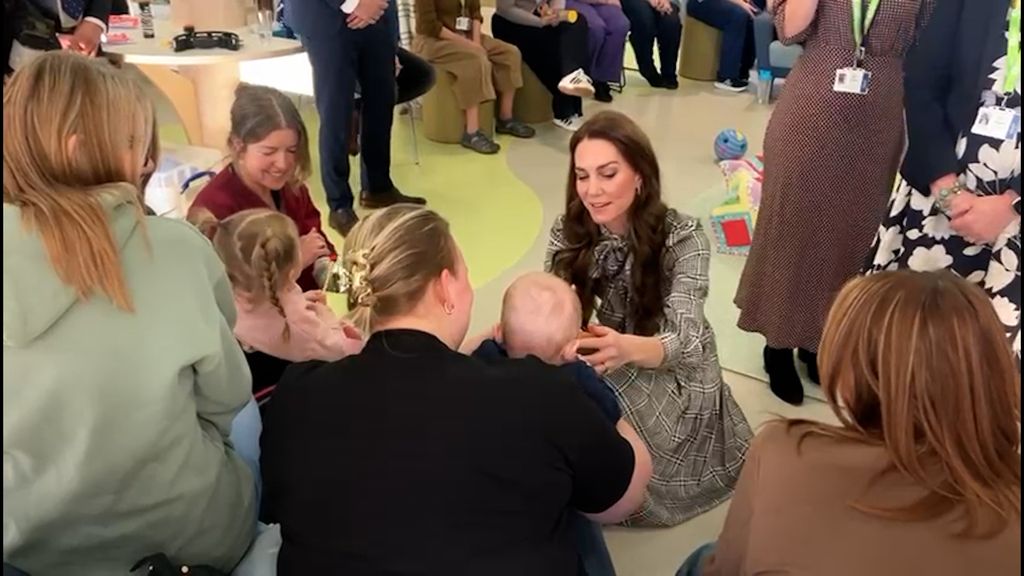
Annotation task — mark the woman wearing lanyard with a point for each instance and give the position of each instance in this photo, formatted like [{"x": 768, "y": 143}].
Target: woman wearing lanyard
[
  {"x": 957, "y": 204},
  {"x": 448, "y": 35},
  {"x": 831, "y": 152}
]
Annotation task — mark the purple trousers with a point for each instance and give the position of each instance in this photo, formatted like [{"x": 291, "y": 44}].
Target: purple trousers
[{"x": 608, "y": 28}]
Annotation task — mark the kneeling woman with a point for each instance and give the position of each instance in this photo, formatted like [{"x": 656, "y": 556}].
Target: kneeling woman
[
  {"x": 441, "y": 463},
  {"x": 448, "y": 35},
  {"x": 647, "y": 267}
]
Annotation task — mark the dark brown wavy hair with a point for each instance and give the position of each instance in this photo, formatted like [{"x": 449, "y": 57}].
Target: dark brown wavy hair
[
  {"x": 918, "y": 364},
  {"x": 647, "y": 231}
]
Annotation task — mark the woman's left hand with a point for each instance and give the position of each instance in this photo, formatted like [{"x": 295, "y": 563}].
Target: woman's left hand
[
  {"x": 981, "y": 219},
  {"x": 608, "y": 349}
]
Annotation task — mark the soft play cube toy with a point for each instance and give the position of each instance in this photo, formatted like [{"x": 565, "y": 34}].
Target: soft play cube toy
[{"x": 733, "y": 221}]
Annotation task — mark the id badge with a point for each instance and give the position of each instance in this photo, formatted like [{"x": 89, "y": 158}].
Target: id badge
[
  {"x": 997, "y": 122},
  {"x": 852, "y": 81},
  {"x": 462, "y": 24}
]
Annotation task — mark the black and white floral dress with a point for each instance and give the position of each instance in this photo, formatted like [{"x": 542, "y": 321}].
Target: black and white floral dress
[{"x": 916, "y": 234}]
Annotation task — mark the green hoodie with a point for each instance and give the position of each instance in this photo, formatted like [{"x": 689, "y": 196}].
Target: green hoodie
[{"x": 116, "y": 423}]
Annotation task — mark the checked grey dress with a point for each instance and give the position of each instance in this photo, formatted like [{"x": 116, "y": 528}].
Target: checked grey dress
[{"x": 685, "y": 413}]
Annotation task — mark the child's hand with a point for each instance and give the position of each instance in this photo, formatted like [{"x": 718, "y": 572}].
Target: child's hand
[
  {"x": 315, "y": 298},
  {"x": 351, "y": 332}
]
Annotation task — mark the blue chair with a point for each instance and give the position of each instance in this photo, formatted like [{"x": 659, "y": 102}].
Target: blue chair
[{"x": 774, "y": 59}]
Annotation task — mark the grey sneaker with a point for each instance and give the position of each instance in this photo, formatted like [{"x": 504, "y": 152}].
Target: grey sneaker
[
  {"x": 480, "y": 143},
  {"x": 514, "y": 127}
]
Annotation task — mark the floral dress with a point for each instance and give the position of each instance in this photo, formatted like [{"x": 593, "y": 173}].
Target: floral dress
[{"x": 916, "y": 234}]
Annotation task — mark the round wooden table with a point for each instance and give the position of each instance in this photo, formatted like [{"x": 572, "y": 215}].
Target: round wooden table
[{"x": 199, "y": 83}]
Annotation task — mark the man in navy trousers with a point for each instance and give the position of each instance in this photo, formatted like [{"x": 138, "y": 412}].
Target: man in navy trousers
[{"x": 351, "y": 43}]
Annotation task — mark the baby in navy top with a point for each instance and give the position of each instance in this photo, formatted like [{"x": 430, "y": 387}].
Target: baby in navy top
[{"x": 541, "y": 316}]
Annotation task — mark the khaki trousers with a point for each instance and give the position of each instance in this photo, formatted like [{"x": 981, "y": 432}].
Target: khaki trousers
[{"x": 478, "y": 74}]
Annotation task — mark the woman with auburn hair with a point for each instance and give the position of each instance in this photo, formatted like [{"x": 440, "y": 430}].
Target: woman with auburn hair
[
  {"x": 484, "y": 463},
  {"x": 921, "y": 475},
  {"x": 641, "y": 269},
  {"x": 122, "y": 378}
]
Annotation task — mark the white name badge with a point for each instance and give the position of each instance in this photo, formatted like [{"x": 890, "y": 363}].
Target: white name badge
[
  {"x": 462, "y": 24},
  {"x": 852, "y": 81},
  {"x": 997, "y": 122}
]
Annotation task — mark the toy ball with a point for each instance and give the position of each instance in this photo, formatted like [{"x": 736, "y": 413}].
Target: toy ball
[{"x": 730, "y": 145}]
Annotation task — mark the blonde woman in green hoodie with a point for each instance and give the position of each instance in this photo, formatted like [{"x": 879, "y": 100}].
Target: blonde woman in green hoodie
[{"x": 121, "y": 374}]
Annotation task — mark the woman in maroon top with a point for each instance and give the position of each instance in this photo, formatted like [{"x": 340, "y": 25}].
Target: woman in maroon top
[{"x": 270, "y": 163}]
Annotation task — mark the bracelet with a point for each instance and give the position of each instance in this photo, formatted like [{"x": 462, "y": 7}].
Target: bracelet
[{"x": 947, "y": 194}]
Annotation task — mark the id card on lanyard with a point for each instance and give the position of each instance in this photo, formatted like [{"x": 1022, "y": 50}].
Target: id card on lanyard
[
  {"x": 1000, "y": 122},
  {"x": 855, "y": 79},
  {"x": 462, "y": 22}
]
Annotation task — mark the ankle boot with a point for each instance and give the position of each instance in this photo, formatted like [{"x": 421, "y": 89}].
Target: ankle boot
[
  {"x": 782, "y": 375},
  {"x": 811, "y": 360}
]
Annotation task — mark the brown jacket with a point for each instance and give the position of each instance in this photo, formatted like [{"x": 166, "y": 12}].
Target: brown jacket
[{"x": 791, "y": 516}]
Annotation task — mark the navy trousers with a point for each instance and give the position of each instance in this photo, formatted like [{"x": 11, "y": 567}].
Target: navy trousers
[{"x": 340, "y": 61}]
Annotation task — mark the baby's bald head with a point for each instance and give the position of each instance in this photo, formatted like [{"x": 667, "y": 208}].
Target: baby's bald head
[{"x": 540, "y": 315}]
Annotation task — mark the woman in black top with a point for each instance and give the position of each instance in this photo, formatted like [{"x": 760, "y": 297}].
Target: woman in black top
[
  {"x": 957, "y": 205},
  {"x": 411, "y": 458}
]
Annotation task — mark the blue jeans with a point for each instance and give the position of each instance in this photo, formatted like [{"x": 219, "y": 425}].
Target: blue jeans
[
  {"x": 590, "y": 546},
  {"x": 694, "y": 565},
  {"x": 245, "y": 437},
  {"x": 738, "y": 51}
]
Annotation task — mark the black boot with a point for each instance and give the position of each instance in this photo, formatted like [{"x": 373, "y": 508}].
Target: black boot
[
  {"x": 782, "y": 375},
  {"x": 811, "y": 360}
]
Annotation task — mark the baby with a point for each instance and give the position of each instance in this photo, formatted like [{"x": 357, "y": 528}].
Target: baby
[{"x": 541, "y": 316}]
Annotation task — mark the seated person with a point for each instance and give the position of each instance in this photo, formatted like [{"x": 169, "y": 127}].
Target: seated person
[
  {"x": 735, "y": 18},
  {"x": 51, "y": 25},
  {"x": 555, "y": 47},
  {"x": 540, "y": 317},
  {"x": 607, "y": 28},
  {"x": 122, "y": 379},
  {"x": 922, "y": 473},
  {"x": 440, "y": 463},
  {"x": 650, "y": 21},
  {"x": 448, "y": 36},
  {"x": 260, "y": 250},
  {"x": 270, "y": 162}
]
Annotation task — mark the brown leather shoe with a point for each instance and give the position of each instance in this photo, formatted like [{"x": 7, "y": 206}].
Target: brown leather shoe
[
  {"x": 389, "y": 198},
  {"x": 343, "y": 220}
]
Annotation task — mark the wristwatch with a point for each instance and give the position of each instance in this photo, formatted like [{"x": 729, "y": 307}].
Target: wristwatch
[{"x": 947, "y": 194}]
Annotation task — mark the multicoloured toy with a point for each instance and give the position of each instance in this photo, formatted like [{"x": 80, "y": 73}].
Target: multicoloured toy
[
  {"x": 733, "y": 221},
  {"x": 730, "y": 145}
]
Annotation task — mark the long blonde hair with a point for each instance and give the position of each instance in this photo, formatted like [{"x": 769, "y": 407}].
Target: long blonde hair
[
  {"x": 918, "y": 363},
  {"x": 260, "y": 251},
  {"x": 73, "y": 129},
  {"x": 391, "y": 257}
]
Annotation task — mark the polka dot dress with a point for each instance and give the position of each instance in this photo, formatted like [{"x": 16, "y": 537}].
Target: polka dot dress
[{"x": 830, "y": 163}]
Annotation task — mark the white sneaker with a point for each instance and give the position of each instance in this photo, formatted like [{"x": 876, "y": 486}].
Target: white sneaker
[
  {"x": 735, "y": 86},
  {"x": 577, "y": 84},
  {"x": 572, "y": 123}
]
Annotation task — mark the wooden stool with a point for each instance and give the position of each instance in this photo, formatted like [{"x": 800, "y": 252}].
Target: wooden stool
[
  {"x": 698, "y": 56},
  {"x": 443, "y": 120},
  {"x": 533, "y": 101}
]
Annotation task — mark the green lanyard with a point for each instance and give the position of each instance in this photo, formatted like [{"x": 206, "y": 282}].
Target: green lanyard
[
  {"x": 1013, "y": 51},
  {"x": 862, "y": 23}
]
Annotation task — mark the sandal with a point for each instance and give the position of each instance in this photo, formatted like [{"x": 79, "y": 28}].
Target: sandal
[
  {"x": 480, "y": 143},
  {"x": 514, "y": 127}
]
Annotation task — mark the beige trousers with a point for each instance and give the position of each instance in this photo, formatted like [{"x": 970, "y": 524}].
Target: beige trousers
[{"x": 478, "y": 74}]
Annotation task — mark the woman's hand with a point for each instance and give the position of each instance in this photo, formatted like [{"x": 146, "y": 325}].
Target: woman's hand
[
  {"x": 312, "y": 247},
  {"x": 662, "y": 6},
  {"x": 981, "y": 219},
  {"x": 748, "y": 6},
  {"x": 607, "y": 348}
]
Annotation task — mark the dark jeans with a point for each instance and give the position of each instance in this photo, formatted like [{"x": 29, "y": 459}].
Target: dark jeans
[
  {"x": 415, "y": 79},
  {"x": 551, "y": 52},
  {"x": 339, "y": 61},
  {"x": 594, "y": 557},
  {"x": 648, "y": 25},
  {"x": 737, "y": 26}
]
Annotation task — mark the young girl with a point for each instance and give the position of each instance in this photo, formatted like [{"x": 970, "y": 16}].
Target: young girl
[
  {"x": 261, "y": 251},
  {"x": 270, "y": 163}
]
